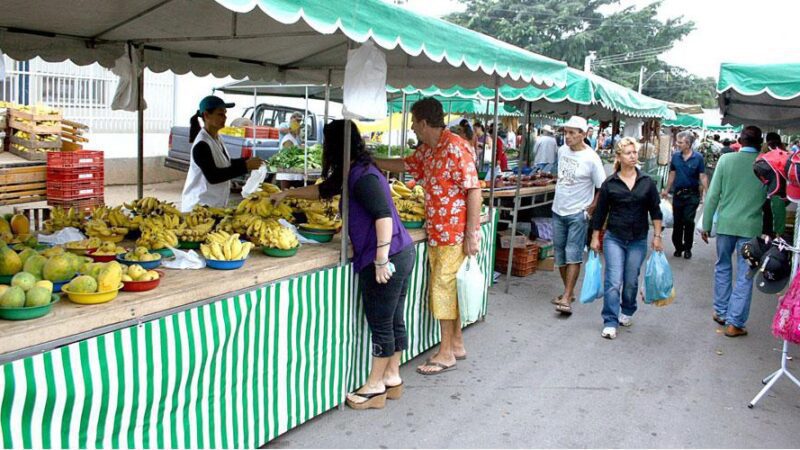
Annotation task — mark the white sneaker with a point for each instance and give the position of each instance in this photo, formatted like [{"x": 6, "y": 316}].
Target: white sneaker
[
  {"x": 609, "y": 333},
  {"x": 625, "y": 320}
]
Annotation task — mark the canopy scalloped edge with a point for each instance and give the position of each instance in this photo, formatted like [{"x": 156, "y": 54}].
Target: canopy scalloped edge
[
  {"x": 766, "y": 90},
  {"x": 455, "y": 61}
]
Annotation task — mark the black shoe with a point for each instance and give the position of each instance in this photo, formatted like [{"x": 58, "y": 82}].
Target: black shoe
[
  {"x": 687, "y": 254},
  {"x": 677, "y": 253}
]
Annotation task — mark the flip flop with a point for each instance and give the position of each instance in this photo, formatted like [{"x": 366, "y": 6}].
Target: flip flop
[
  {"x": 556, "y": 300},
  {"x": 442, "y": 367},
  {"x": 564, "y": 309},
  {"x": 394, "y": 392},
  {"x": 375, "y": 400}
]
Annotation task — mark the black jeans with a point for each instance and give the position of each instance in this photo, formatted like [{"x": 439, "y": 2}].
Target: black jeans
[
  {"x": 684, "y": 209},
  {"x": 384, "y": 304}
]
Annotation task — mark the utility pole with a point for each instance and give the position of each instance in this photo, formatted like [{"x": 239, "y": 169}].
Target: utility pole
[
  {"x": 642, "y": 70},
  {"x": 587, "y": 62}
]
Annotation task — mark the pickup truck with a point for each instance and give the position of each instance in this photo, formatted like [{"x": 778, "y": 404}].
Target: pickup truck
[{"x": 253, "y": 144}]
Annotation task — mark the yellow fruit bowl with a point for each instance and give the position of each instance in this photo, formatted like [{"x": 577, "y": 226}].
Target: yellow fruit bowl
[
  {"x": 93, "y": 298},
  {"x": 114, "y": 238}
]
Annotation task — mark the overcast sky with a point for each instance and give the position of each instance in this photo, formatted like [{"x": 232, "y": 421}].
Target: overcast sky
[{"x": 771, "y": 32}]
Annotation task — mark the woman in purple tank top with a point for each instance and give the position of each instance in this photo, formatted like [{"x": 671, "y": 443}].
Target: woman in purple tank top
[{"x": 383, "y": 257}]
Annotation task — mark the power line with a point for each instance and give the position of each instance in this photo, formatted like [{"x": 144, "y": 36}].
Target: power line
[{"x": 635, "y": 52}]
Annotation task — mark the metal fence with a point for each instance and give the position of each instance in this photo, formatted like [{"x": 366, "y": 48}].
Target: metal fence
[{"x": 84, "y": 94}]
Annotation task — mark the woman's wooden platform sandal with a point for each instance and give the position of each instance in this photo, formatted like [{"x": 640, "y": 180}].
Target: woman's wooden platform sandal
[
  {"x": 394, "y": 392},
  {"x": 375, "y": 400}
]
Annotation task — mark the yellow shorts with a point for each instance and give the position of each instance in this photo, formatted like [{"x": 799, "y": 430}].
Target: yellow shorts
[{"x": 443, "y": 293}]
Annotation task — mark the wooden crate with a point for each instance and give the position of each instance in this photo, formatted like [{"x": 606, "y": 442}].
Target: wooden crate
[
  {"x": 22, "y": 183},
  {"x": 29, "y": 155},
  {"x": 33, "y": 115},
  {"x": 34, "y": 128},
  {"x": 72, "y": 138}
]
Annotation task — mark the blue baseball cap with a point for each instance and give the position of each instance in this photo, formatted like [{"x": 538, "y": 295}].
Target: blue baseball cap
[{"x": 213, "y": 102}]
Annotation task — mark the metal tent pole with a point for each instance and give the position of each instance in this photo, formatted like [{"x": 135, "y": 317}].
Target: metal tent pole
[
  {"x": 140, "y": 125},
  {"x": 494, "y": 147},
  {"x": 305, "y": 142},
  {"x": 516, "y": 205},
  {"x": 255, "y": 103},
  {"x": 391, "y": 114},
  {"x": 348, "y": 125},
  {"x": 327, "y": 103},
  {"x": 771, "y": 379}
]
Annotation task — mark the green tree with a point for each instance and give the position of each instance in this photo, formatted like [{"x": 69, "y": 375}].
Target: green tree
[{"x": 568, "y": 30}]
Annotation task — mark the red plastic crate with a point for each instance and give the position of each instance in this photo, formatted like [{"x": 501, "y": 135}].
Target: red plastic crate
[
  {"x": 75, "y": 175},
  {"x": 83, "y": 204},
  {"x": 58, "y": 190},
  {"x": 259, "y": 132},
  {"x": 91, "y": 159}
]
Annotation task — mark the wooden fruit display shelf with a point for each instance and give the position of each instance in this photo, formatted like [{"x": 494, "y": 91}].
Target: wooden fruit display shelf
[
  {"x": 22, "y": 182},
  {"x": 72, "y": 138},
  {"x": 35, "y": 127},
  {"x": 34, "y": 116}
]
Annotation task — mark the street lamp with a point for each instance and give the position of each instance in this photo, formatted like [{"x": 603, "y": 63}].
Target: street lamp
[{"x": 642, "y": 70}]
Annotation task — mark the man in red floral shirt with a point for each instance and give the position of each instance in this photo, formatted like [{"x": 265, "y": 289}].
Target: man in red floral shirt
[{"x": 443, "y": 164}]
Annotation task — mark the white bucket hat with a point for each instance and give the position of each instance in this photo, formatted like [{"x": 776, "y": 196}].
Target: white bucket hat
[
  {"x": 547, "y": 129},
  {"x": 577, "y": 122}
]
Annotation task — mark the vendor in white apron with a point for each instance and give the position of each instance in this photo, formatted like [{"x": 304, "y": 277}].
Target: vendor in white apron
[
  {"x": 211, "y": 168},
  {"x": 290, "y": 139}
]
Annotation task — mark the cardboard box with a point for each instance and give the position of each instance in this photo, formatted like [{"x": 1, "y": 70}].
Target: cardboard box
[
  {"x": 548, "y": 264},
  {"x": 520, "y": 240}
]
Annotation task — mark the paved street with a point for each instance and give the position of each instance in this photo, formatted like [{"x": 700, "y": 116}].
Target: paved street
[{"x": 534, "y": 379}]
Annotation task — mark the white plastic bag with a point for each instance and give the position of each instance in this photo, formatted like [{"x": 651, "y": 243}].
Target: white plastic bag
[
  {"x": 184, "y": 260},
  {"x": 668, "y": 219},
  {"x": 471, "y": 286},
  {"x": 126, "y": 97},
  {"x": 699, "y": 224},
  {"x": 254, "y": 181},
  {"x": 302, "y": 239},
  {"x": 62, "y": 236},
  {"x": 365, "y": 83}
]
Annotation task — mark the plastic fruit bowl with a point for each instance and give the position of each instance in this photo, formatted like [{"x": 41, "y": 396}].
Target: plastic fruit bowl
[
  {"x": 413, "y": 223},
  {"x": 315, "y": 229},
  {"x": 164, "y": 252},
  {"x": 225, "y": 265},
  {"x": 316, "y": 236},
  {"x": 186, "y": 245},
  {"x": 278, "y": 252},
  {"x": 6, "y": 279},
  {"x": 32, "y": 312},
  {"x": 141, "y": 286},
  {"x": 57, "y": 285},
  {"x": 148, "y": 265},
  {"x": 93, "y": 298},
  {"x": 102, "y": 258},
  {"x": 114, "y": 238},
  {"x": 81, "y": 251}
]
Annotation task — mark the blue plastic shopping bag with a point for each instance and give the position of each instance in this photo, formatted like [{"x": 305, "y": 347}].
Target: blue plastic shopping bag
[
  {"x": 657, "y": 279},
  {"x": 592, "y": 286}
]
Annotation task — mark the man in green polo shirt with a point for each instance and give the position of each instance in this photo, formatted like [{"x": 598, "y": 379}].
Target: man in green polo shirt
[{"x": 736, "y": 195}]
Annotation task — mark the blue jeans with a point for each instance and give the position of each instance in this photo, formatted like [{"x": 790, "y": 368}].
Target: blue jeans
[
  {"x": 569, "y": 238},
  {"x": 732, "y": 300},
  {"x": 624, "y": 261}
]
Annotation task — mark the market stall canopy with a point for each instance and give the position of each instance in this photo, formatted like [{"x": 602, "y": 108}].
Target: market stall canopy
[
  {"x": 681, "y": 108},
  {"x": 724, "y": 128},
  {"x": 586, "y": 94},
  {"x": 247, "y": 87},
  {"x": 767, "y": 95},
  {"x": 267, "y": 40},
  {"x": 685, "y": 121},
  {"x": 457, "y": 105}
]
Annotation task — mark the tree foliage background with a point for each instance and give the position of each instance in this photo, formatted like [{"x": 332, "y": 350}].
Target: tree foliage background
[{"x": 568, "y": 30}]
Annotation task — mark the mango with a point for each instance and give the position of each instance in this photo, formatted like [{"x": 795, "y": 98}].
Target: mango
[
  {"x": 37, "y": 296},
  {"x": 45, "y": 284},
  {"x": 34, "y": 265},
  {"x": 58, "y": 268},
  {"x": 82, "y": 284},
  {"x": 53, "y": 251},
  {"x": 26, "y": 253},
  {"x": 23, "y": 280},
  {"x": 13, "y": 297},
  {"x": 10, "y": 263},
  {"x": 136, "y": 271},
  {"x": 110, "y": 277}
]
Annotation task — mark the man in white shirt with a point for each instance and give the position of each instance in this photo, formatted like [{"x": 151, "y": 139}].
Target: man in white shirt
[
  {"x": 580, "y": 175},
  {"x": 545, "y": 150}
]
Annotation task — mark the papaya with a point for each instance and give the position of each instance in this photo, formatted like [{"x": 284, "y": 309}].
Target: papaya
[
  {"x": 83, "y": 284},
  {"x": 58, "y": 268},
  {"x": 23, "y": 280},
  {"x": 5, "y": 228},
  {"x": 37, "y": 296},
  {"x": 20, "y": 225},
  {"x": 13, "y": 297},
  {"x": 110, "y": 277},
  {"x": 35, "y": 265}
]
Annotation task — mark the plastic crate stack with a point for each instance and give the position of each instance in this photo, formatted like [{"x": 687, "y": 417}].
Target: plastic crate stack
[
  {"x": 75, "y": 179},
  {"x": 525, "y": 260}
]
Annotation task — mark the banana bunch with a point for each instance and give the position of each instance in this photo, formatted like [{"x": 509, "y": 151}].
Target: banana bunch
[
  {"x": 269, "y": 188},
  {"x": 61, "y": 218},
  {"x": 157, "y": 238},
  {"x": 229, "y": 249},
  {"x": 113, "y": 216},
  {"x": 259, "y": 204},
  {"x": 323, "y": 221},
  {"x": 194, "y": 227},
  {"x": 281, "y": 238},
  {"x": 151, "y": 206},
  {"x": 410, "y": 203},
  {"x": 219, "y": 237},
  {"x": 210, "y": 212},
  {"x": 39, "y": 137},
  {"x": 254, "y": 227},
  {"x": 99, "y": 228}
]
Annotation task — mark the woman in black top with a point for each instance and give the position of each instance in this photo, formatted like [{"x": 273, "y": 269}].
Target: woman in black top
[{"x": 626, "y": 198}]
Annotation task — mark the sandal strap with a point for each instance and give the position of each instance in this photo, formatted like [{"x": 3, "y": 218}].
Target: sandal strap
[{"x": 370, "y": 395}]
